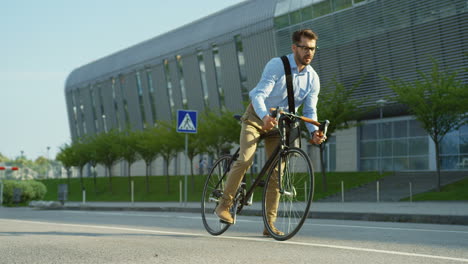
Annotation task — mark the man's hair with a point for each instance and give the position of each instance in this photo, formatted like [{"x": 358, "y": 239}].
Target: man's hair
[{"x": 307, "y": 33}]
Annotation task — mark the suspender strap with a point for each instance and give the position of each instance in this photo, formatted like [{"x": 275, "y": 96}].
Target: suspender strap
[{"x": 289, "y": 84}]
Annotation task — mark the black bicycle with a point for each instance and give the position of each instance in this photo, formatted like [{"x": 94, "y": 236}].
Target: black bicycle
[{"x": 296, "y": 184}]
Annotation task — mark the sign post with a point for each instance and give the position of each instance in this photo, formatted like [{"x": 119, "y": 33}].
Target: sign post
[{"x": 186, "y": 123}]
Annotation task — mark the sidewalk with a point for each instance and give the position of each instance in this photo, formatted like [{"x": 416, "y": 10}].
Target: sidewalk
[{"x": 415, "y": 212}]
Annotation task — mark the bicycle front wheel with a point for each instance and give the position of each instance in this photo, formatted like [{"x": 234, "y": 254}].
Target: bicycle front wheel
[
  {"x": 212, "y": 192},
  {"x": 287, "y": 196}
]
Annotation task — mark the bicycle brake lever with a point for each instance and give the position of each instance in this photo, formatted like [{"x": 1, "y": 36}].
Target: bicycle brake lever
[{"x": 324, "y": 127}]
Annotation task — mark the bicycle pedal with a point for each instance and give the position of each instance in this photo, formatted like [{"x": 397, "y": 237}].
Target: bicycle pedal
[{"x": 224, "y": 222}]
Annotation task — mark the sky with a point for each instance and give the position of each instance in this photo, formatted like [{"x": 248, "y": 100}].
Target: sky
[{"x": 41, "y": 42}]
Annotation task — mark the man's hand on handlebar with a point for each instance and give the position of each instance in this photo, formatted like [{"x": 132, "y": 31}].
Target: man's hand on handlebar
[
  {"x": 269, "y": 122},
  {"x": 318, "y": 137}
]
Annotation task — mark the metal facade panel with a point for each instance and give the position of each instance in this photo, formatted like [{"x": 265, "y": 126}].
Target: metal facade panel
[
  {"x": 230, "y": 77},
  {"x": 258, "y": 50},
  {"x": 71, "y": 115},
  {"x": 213, "y": 94},
  {"x": 146, "y": 98},
  {"x": 119, "y": 97},
  {"x": 176, "y": 92},
  {"x": 108, "y": 101},
  {"x": 193, "y": 83},
  {"x": 133, "y": 106},
  {"x": 79, "y": 114},
  {"x": 99, "y": 108},
  {"x": 88, "y": 110},
  {"x": 163, "y": 109},
  {"x": 388, "y": 38}
]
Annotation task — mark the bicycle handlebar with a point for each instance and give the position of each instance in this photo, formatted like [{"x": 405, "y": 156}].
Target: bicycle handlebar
[{"x": 323, "y": 127}]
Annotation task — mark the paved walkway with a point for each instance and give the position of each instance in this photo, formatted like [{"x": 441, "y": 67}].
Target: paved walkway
[{"x": 417, "y": 212}]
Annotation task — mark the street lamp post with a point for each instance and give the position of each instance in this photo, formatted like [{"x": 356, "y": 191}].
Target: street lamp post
[{"x": 381, "y": 104}]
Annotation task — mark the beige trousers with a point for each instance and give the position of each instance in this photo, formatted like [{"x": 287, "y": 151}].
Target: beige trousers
[{"x": 250, "y": 134}]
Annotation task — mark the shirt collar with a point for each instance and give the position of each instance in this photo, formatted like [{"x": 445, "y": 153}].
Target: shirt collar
[{"x": 293, "y": 64}]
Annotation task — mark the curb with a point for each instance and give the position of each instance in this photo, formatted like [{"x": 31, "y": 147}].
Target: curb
[{"x": 376, "y": 217}]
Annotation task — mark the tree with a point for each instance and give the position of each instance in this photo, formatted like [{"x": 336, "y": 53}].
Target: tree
[
  {"x": 171, "y": 144},
  {"x": 195, "y": 147},
  {"x": 438, "y": 100},
  {"x": 65, "y": 156},
  {"x": 129, "y": 140},
  {"x": 92, "y": 157},
  {"x": 338, "y": 106},
  {"x": 148, "y": 147},
  {"x": 108, "y": 148},
  {"x": 41, "y": 166},
  {"x": 218, "y": 131},
  {"x": 3, "y": 158},
  {"x": 80, "y": 157}
]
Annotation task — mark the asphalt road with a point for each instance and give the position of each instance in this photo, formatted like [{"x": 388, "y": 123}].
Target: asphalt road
[{"x": 35, "y": 236}]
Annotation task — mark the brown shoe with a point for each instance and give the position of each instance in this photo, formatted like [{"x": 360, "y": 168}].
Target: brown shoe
[
  {"x": 276, "y": 231},
  {"x": 222, "y": 210}
]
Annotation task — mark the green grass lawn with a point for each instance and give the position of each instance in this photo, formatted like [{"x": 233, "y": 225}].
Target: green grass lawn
[
  {"x": 158, "y": 190},
  {"x": 457, "y": 191}
]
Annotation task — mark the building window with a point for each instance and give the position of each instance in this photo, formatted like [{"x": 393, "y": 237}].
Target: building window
[
  {"x": 93, "y": 106},
  {"x": 82, "y": 114},
  {"x": 242, "y": 70},
  {"x": 454, "y": 150},
  {"x": 394, "y": 145},
  {"x": 103, "y": 112},
  {"x": 75, "y": 114},
  {"x": 181, "y": 81},
  {"x": 217, "y": 64},
  {"x": 201, "y": 65},
  {"x": 116, "y": 105},
  {"x": 151, "y": 93},
  {"x": 167, "y": 73},
  {"x": 124, "y": 100},
  {"x": 140, "y": 99}
]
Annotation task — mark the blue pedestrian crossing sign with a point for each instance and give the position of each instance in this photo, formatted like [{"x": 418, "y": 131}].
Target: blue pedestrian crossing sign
[{"x": 186, "y": 121}]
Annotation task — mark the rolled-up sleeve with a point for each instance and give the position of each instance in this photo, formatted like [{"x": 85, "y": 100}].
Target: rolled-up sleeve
[
  {"x": 271, "y": 74},
  {"x": 310, "y": 102}
]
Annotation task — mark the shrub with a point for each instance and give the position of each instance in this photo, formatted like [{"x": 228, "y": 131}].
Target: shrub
[
  {"x": 40, "y": 190},
  {"x": 30, "y": 190}
]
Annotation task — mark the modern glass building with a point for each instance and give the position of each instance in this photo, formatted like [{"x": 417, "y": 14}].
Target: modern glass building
[{"x": 222, "y": 57}]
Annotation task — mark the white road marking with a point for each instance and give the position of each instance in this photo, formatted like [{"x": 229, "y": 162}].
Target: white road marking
[
  {"x": 390, "y": 252},
  {"x": 261, "y": 221}
]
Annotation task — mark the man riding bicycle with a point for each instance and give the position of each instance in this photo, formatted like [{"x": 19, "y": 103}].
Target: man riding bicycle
[{"x": 271, "y": 91}]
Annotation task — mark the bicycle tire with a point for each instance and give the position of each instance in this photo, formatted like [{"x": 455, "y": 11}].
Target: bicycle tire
[
  {"x": 213, "y": 187},
  {"x": 294, "y": 203}
]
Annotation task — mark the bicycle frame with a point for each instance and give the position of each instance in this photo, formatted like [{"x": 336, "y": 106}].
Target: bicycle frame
[{"x": 281, "y": 146}]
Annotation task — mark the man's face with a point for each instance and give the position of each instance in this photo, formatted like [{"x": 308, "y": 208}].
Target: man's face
[{"x": 304, "y": 51}]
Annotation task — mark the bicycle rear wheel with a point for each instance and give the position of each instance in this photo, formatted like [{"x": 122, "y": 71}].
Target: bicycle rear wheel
[
  {"x": 297, "y": 185},
  {"x": 212, "y": 192}
]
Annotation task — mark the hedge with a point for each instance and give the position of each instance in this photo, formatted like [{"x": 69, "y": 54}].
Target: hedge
[{"x": 31, "y": 190}]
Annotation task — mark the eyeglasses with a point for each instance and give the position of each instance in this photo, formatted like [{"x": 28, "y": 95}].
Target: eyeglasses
[{"x": 305, "y": 48}]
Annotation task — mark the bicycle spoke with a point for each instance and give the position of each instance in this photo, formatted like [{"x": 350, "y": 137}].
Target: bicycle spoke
[
  {"x": 212, "y": 191},
  {"x": 294, "y": 202}
]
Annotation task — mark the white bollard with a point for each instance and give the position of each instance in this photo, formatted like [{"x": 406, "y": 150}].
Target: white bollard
[
  {"x": 84, "y": 196},
  {"x": 410, "y": 192},
  {"x": 132, "y": 193},
  {"x": 342, "y": 191},
  {"x": 180, "y": 192},
  {"x": 378, "y": 191}
]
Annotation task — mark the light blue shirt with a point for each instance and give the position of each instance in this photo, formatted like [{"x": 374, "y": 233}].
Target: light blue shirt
[{"x": 271, "y": 90}]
